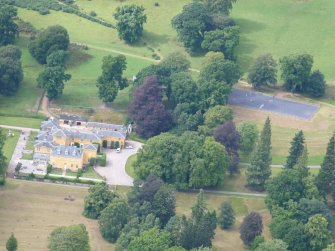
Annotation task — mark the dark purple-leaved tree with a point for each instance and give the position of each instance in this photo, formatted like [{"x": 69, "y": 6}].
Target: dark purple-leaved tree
[
  {"x": 148, "y": 111},
  {"x": 228, "y": 136}
]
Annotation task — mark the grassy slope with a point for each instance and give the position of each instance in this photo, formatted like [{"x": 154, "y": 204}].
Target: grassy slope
[
  {"x": 10, "y": 144},
  {"x": 282, "y": 27},
  {"x": 33, "y": 210}
]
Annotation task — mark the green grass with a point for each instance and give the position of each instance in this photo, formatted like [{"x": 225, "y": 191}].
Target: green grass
[
  {"x": 10, "y": 143},
  {"x": 31, "y": 141},
  {"x": 27, "y": 156},
  {"x": 21, "y": 121},
  {"x": 57, "y": 171},
  {"x": 313, "y": 171},
  {"x": 130, "y": 166},
  {"x": 32, "y": 210},
  {"x": 279, "y": 27},
  {"x": 70, "y": 173},
  {"x": 90, "y": 173}
]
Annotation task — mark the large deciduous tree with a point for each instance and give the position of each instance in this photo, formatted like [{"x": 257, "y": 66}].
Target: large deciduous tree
[
  {"x": 164, "y": 203},
  {"x": 98, "y": 198},
  {"x": 73, "y": 237},
  {"x": 111, "y": 79},
  {"x": 228, "y": 136},
  {"x": 296, "y": 70},
  {"x": 52, "y": 79},
  {"x": 296, "y": 149},
  {"x": 112, "y": 219},
  {"x": 8, "y": 28},
  {"x": 191, "y": 25},
  {"x": 272, "y": 245},
  {"x": 52, "y": 39},
  {"x": 219, "y": 6},
  {"x": 130, "y": 20},
  {"x": 316, "y": 85},
  {"x": 260, "y": 170},
  {"x": 11, "y": 73},
  {"x": 249, "y": 135},
  {"x": 252, "y": 226},
  {"x": 263, "y": 71},
  {"x": 148, "y": 111}
]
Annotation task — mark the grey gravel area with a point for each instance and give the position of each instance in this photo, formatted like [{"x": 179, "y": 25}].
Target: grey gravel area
[{"x": 259, "y": 101}]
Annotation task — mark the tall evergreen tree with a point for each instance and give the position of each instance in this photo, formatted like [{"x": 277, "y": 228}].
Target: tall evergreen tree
[
  {"x": 226, "y": 217},
  {"x": 302, "y": 162},
  {"x": 11, "y": 244},
  {"x": 259, "y": 170},
  {"x": 3, "y": 164},
  {"x": 326, "y": 177},
  {"x": 296, "y": 150}
]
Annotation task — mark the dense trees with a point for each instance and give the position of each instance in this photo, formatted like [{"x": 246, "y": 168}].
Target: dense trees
[
  {"x": 248, "y": 136},
  {"x": 11, "y": 244},
  {"x": 151, "y": 240},
  {"x": 3, "y": 160},
  {"x": 228, "y": 136},
  {"x": 52, "y": 39},
  {"x": 188, "y": 160},
  {"x": 11, "y": 73},
  {"x": 8, "y": 28},
  {"x": 326, "y": 176},
  {"x": 316, "y": 85},
  {"x": 272, "y": 245},
  {"x": 130, "y": 20},
  {"x": 259, "y": 171},
  {"x": 164, "y": 203},
  {"x": 148, "y": 110},
  {"x": 112, "y": 219},
  {"x": 263, "y": 71},
  {"x": 252, "y": 226},
  {"x": 98, "y": 198},
  {"x": 73, "y": 237},
  {"x": 226, "y": 218},
  {"x": 111, "y": 79},
  {"x": 296, "y": 150},
  {"x": 206, "y": 25}
]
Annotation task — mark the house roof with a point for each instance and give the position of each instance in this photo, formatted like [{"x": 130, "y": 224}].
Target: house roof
[
  {"x": 91, "y": 146},
  {"x": 83, "y": 135},
  {"x": 49, "y": 124},
  {"x": 106, "y": 126},
  {"x": 114, "y": 134},
  {"x": 73, "y": 118},
  {"x": 67, "y": 151},
  {"x": 45, "y": 143},
  {"x": 41, "y": 156}
]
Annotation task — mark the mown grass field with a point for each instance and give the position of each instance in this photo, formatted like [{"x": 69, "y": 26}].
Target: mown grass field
[
  {"x": 32, "y": 210},
  {"x": 10, "y": 143}
]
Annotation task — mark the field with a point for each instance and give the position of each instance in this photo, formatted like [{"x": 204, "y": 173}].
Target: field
[
  {"x": 32, "y": 210},
  {"x": 10, "y": 144}
]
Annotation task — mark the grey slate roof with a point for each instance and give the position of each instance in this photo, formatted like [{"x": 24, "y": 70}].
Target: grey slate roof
[
  {"x": 115, "y": 134},
  {"x": 105, "y": 126},
  {"x": 83, "y": 135},
  {"x": 45, "y": 143},
  {"x": 73, "y": 118},
  {"x": 41, "y": 156},
  {"x": 67, "y": 151},
  {"x": 91, "y": 146},
  {"x": 50, "y": 124}
]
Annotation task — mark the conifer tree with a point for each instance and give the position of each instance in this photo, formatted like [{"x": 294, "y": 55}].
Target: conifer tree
[
  {"x": 326, "y": 177},
  {"x": 259, "y": 170},
  {"x": 11, "y": 244},
  {"x": 302, "y": 162},
  {"x": 296, "y": 150},
  {"x": 227, "y": 215}
]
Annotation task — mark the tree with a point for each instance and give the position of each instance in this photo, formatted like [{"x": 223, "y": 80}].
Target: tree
[
  {"x": 317, "y": 229},
  {"x": 191, "y": 25},
  {"x": 330, "y": 247},
  {"x": 52, "y": 39},
  {"x": 9, "y": 30},
  {"x": 260, "y": 170},
  {"x": 252, "y": 226},
  {"x": 11, "y": 243},
  {"x": 316, "y": 85},
  {"x": 11, "y": 73},
  {"x": 176, "y": 62},
  {"x": 3, "y": 159},
  {"x": 296, "y": 70},
  {"x": 219, "y": 6},
  {"x": 217, "y": 115},
  {"x": 72, "y": 238},
  {"x": 326, "y": 176},
  {"x": 164, "y": 203},
  {"x": 129, "y": 22},
  {"x": 58, "y": 58},
  {"x": 112, "y": 219},
  {"x": 307, "y": 208},
  {"x": 296, "y": 149},
  {"x": 248, "y": 136},
  {"x": 224, "y": 40},
  {"x": 111, "y": 79},
  {"x": 148, "y": 111},
  {"x": 263, "y": 71},
  {"x": 228, "y": 136},
  {"x": 272, "y": 245},
  {"x": 151, "y": 240},
  {"x": 98, "y": 198},
  {"x": 52, "y": 79},
  {"x": 227, "y": 215},
  {"x": 259, "y": 239}
]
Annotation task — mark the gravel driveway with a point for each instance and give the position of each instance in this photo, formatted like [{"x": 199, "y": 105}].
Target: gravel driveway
[{"x": 114, "y": 171}]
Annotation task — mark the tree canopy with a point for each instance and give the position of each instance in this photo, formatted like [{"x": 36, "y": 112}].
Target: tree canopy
[
  {"x": 11, "y": 243},
  {"x": 8, "y": 28},
  {"x": 129, "y": 22},
  {"x": 252, "y": 226}
]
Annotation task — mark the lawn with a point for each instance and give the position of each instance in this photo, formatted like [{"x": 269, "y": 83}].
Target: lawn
[
  {"x": 130, "y": 166},
  {"x": 90, "y": 173},
  {"x": 10, "y": 143},
  {"x": 31, "y": 141},
  {"x": 32, "y": 210}
]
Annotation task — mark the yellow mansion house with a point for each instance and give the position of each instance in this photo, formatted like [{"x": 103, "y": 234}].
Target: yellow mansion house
[{"x": 71, "y": 141}]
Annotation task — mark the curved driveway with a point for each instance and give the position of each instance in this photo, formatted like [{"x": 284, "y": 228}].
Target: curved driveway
[{"x": 114, "y": 171}]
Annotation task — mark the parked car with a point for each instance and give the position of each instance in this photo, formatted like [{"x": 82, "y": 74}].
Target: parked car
[
  {"x": 118, "y": 150},
  {"x": 129, "y": 147}
]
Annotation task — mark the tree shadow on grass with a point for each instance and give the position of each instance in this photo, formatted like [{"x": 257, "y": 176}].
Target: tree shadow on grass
[
  {"x": 155, "y": 40},
  {"x": 244, "y": 52},
  {"x": 249, "y": 26}
]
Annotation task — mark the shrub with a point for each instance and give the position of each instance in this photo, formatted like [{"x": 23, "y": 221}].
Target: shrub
[
  {"x": 49, "y": 168},
  {"x": 18, "y": 167},
  {"x": 93, "y": 13},
  {"x": 79, "y": 173},
  {"x": 102, "y": 160}
]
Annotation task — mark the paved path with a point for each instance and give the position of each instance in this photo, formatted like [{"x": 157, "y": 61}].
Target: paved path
[
  {"x": 282, "y": 166},
  {"x": 114, "y": 171},
  {"x": 260, "y": 101},
  {"x": 24, "y": 129}
]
